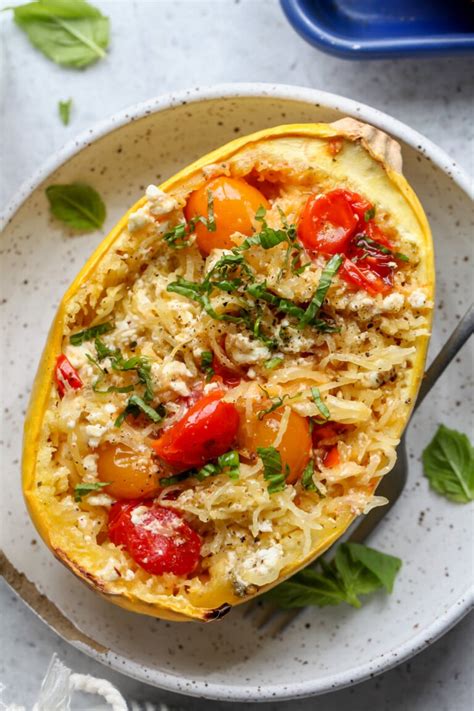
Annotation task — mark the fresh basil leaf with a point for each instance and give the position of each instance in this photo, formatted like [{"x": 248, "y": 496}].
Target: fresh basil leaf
[
  {"x": 369, "y": 214},
  {"x": 230, "y": 461},
  {"x": 77, "y": 205},
  {"x": 448, "y": 464},
  {"x": 273, "y": 468},
  {"x": 327, "y": 275},
  {"x": 322, "y": 407},
  {"x": 206, "y": 364},
  {"x": 354, "y": 571},
  {"x": 69, "y": 32},
  {"x": 64, "y": 109},
  {"x": 85, "y": 488},
  {"x": 89, "y": 333}
]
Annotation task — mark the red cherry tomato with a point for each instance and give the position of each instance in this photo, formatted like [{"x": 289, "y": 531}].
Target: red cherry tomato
[
  {"x": 157, "y": 538},
  {"x": 205, "y": 432},
  {"x": 66, "y": 376},
  {"x": 225, "y": 374},
  {"x": 329, "y": 220},
  {"x": 363, "y": 278},
  {"x": 332, "y": 458}
]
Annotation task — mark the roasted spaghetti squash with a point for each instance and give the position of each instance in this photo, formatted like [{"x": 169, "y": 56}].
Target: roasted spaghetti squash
[{"x": 228, "y": 377}]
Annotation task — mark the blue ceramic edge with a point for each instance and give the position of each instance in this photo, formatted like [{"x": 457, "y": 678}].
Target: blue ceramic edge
[{"x": 330, "y": 43}]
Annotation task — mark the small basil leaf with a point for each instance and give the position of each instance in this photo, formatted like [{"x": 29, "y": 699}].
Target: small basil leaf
[
  {"x": 77, "y": 205},
  {"x": 448, "y": 463}
]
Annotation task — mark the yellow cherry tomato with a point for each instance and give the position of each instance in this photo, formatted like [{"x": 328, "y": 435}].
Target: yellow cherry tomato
[
  {"x": 295, "y": 446},
  {"x": 130, "y": 474},
  {"x": 235, "y": 205}
]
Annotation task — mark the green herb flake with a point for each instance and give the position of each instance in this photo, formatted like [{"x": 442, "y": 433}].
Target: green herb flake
[
  {"x": 322, "y": 407},
  {"x": 273, "y": 469},
  {"x": 448, "y": 464},
  {"x": 85, "y": 488},
  {"x": 369, "y": 214},
  {"x": 354, "y": 571},
  {"x": 135, "y": 405},
  {"x": 327, "y": 275},
  {"x": 273, "y": 363},
  {"x": 211, "y": 219},
  {"x": 90, "y": 333},
  {"x": 307, "y": 480},
  {"x": 77, "y": 205},
  {"x": 64, "y": 110},
  {"x": 206, "y": 364},
  {"x": 69, "y": 32}
]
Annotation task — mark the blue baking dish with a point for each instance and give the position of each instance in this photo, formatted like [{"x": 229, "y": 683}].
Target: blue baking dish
[{"x": 366, "y": 29}]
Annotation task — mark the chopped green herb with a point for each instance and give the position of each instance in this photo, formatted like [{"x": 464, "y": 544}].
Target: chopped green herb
[
  {"x": 77, "y": 205},
  {"x": 277, "y": 402},
  {"x": 327, "y": 275},
  {"x": 112, "y": 388},
  {"x": 273, "y": 468},
  {"x": 355, "y": 570},
  {"x": 135, "y": 405},
  {"x": 211, "y": 220},
  {"x": 369, "y": 214},
  {"x": 307, "y": 481},
  {"x": 365, "y": 242},
  {"x": 85, "y": 488},
  {"x": 177, "y": 237},
  {"x": 64, "y": 109},
  {"x": 69, "y": 32},
  {"x": 448, "y": 464},
  {"x": 170, "y": 480},
  {"x": 90, "y": 333},
  {"x": 323, "y": 409},
  {"x": 273, "y": 363},
  {"x": 206, "y": 364}
]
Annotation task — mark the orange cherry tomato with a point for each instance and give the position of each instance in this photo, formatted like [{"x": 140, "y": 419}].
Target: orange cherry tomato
[
  {"x": 332, "y": 458},
  {"x": 295, "y": 446},
  {"x": 235, "y": 205},
  {"x": 156, "y": 537},
  {"x": 206, "y": 431},
  {"x": 131, "y": 474}
]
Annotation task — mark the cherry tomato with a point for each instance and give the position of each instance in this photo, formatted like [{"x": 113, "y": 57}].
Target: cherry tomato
[
  {"x": 235, "y": 205},
  {"x": 130, "y": 474},
  {"x": 364, "y": 278},
  {"x": 66, "y": 376},
  {"x": 225, "y": 374},
  {"x": 326, "y": 431},
  {"x": 205, "y": 432},
  {"x": 332, "y": 458},
  {"x": 295, "y": 446},
  {"x": 329, "y": 220},
  {"x": 157, "y": 538}
]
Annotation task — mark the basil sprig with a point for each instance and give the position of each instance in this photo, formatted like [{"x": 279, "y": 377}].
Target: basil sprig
[
  {"x": 448, "y": 464},
  {"x": 355, "y": 570},
  {"x": 69, "y": 32}
]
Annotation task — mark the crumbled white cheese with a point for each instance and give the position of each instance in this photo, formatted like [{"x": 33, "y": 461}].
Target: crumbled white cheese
[
  {"x": 100, "y": 500},
  {"x": 243, "y": 350},
  {"x": 90, "y": 465},
  {"x": 371, "y": 379},
  {"x": 128, "y": 575},
  {"x": 108, "y": 572},
  {"x": 138, "y": 219},
  {"x": 363, "y": 305},
  {"x": 94, "y": 434},
  {"x": 262, "y": 566},
  {"x": 110, "y": 408},
  {"x": 393, "y": 302},
  {"x": 265, "y": 526},
  {"x": 417, "y": 299},
  {"x": 159, "y": 202},
  {"x": 174, "y": 375}
]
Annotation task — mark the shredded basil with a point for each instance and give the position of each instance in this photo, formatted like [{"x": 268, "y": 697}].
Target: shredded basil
[
  {"x": 273, "y": 471},
  {"x": 273, "y": 363},
  {"x": 365, "y": 242},
  {"x": 85, "y": 488},
  {"x": 206, "y": 364},
  {"x": 327, "y": 275},
  {"x": 307, "y": 481},
  {"x": 228, "y": 463},
  {"x": 369, "y": 214},
  {"x": 323, "y": 409},
  {"x": 135, "y": 405},
  {"x": 88, "y": 334}
]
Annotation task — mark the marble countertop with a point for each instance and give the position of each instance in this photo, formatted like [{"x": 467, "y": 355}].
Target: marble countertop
[{"x": 196, "y": 42}]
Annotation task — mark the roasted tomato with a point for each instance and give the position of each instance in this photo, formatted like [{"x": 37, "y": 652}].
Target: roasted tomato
[
  {"x": 329, "y": 220},
  {"x": 295, "y": 445},
  {"x": 130, "y": 474},
  {"x": 226, "y": 375},
  {"x": 364, "y": 277},
  {"x": 235, "y": 205},
  {"x": 205, "y": 432},
  {"x": 66, "y": 376},
  {"x": 157, "y": 538}
]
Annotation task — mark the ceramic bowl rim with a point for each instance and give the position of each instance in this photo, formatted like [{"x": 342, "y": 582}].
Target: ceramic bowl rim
[{"x": 357, "y": 110}]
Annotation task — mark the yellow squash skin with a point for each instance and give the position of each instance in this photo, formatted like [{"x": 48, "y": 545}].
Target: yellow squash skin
[{"x": 218, "y": 600}]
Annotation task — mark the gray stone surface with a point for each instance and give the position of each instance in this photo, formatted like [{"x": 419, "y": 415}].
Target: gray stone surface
[{"x": 160, "y": 46}]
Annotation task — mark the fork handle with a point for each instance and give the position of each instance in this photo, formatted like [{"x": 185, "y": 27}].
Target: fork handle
[{"x": 455, "y": 342}]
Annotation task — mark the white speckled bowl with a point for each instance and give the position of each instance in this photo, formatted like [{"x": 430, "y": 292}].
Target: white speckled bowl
[{"x": 325, "y": 649}]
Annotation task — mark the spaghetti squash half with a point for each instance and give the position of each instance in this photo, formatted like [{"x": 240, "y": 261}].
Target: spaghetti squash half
[{"x": 228, "y": 377}]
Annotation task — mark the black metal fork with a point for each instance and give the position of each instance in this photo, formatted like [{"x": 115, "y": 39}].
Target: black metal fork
[{"x": 392, "y": 484}]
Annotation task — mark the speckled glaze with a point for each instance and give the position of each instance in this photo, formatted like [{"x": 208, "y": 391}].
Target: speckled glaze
[{"x": 325, "y": 649}]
